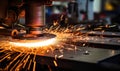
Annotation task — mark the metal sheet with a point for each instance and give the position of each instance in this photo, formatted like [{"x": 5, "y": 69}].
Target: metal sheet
[
  {"x": 77, "y": 60},
  {"x": 99, "y": 33}
]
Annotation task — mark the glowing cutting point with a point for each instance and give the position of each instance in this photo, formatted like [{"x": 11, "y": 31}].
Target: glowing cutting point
[{"x": 45, "y": 40}]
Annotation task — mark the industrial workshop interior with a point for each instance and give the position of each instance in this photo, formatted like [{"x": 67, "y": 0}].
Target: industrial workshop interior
[{"x": 59, "y": 35}]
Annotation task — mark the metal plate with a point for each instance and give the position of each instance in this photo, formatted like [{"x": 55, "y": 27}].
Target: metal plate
[
  {"x": 99, "y": 33},
  {"x": 77, "y": 60}
]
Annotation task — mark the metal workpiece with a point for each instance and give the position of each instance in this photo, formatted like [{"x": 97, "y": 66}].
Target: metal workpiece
[
  {"x": 108, "y": 40},
  {"x": 84, "y": 58},
  {"x": 101, "y": 33}
]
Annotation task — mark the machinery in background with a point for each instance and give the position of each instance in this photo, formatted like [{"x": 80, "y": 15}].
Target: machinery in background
[
  {"x": 89, "y": 13},
  {"x": 75, "y": 13},
  {"x": 31, "y": 13}
]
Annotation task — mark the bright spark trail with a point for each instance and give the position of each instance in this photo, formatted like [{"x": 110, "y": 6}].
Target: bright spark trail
[{"x": 18, "y": 57}]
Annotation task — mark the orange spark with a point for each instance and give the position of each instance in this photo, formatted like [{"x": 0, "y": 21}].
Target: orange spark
[{"x": 55, "y": 63}]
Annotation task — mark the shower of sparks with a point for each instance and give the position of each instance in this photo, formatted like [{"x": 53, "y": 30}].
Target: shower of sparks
[{"x": 21, "y": 57}]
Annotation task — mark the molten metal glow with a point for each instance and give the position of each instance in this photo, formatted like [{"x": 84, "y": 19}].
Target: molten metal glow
[{"x": 34, "y": 44}]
